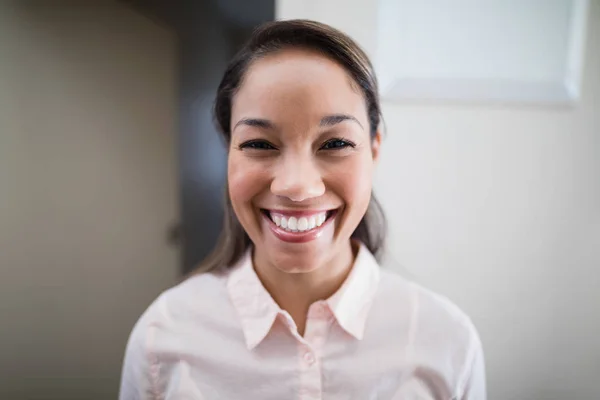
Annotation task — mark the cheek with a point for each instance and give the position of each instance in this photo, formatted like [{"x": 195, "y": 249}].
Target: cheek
[
  {"x": 245, "y": 179},
  {"x": 352, "y": 181}
]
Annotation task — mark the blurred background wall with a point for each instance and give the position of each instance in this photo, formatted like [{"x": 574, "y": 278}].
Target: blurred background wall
[
  {"x": 498, "y": 207},
  {"x": 88, "y": 187}
]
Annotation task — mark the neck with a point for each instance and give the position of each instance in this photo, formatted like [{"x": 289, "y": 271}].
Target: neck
[{"x": 295, "y": 292}]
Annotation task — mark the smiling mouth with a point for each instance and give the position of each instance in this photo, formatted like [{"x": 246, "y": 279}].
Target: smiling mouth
[{"x": 298, "y": 222}]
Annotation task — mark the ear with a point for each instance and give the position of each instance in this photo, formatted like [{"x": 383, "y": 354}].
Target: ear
[{"x": 376, "y": 145}]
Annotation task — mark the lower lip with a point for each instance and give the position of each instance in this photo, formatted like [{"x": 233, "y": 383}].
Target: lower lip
[{"x": 298, "y": 237}]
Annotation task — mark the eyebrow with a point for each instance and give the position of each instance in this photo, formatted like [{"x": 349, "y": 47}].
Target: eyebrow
[
  {"x": 334, "y": 119},
  {"x": 257, "y": 122},
  {"x": 328, "y": 120}
]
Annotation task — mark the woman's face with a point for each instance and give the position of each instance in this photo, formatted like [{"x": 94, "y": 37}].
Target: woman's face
[{"x": 300, "y": 160}]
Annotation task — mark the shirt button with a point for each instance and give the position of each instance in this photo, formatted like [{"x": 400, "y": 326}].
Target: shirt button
[{"x": 309, "y": 358}]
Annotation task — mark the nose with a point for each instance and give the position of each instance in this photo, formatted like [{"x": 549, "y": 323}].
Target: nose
[{"x": 298, "y": 179}]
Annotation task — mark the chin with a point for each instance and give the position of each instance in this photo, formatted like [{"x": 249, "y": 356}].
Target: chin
[{"x": 296, "y": 262}]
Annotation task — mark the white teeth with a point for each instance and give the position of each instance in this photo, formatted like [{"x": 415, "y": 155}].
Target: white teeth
[
  {"x": 320, "y": 219},
  {"x": 302, "y": 224},
  {"x": 292, "y": 223},
  {"x": 299, "y": 224}
]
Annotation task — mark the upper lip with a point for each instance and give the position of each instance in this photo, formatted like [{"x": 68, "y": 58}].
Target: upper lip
[{"x": 298, "y": 213}]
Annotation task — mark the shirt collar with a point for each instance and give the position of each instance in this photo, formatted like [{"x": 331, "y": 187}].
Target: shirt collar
[
  {"x": 255, "y": 306},
  {"x": 349, "y": 305}
]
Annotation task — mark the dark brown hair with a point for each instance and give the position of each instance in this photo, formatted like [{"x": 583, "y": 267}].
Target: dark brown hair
[{"x": 267, "y": 39}]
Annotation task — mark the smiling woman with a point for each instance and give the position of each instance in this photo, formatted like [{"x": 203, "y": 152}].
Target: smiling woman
[{"x": 292, "y": 302}]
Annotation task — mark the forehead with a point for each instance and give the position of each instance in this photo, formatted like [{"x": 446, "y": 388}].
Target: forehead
[{"x": 297, "y": 84}]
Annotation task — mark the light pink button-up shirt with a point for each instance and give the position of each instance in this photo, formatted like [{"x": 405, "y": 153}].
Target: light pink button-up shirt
[{"x": 221, "y": 336}]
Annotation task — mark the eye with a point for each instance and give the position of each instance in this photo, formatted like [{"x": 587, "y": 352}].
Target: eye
[
  {"x": 337, "y": 144},
  {"x": 257, "y": 145}
]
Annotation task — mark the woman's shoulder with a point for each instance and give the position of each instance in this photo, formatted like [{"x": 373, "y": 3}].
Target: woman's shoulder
[
  {"x": 196, "y": 298},
  {"x": 197, "y": 291},
  {"x": 440, "y": 336},
  {"x": 178, "y": 313},
  {"x": 433, "y": 315}
]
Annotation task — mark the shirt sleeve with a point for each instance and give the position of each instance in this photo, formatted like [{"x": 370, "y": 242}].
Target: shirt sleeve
[
  {"x": 136, "y": 375},
  {"x": 475, "y": 386}
]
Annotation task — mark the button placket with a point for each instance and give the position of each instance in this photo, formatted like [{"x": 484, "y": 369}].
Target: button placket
[
  {"x": 316, "y": 332},
  {"x": 309, "y": 358},
  {"x": 322, "y": 310},
  {"x": 309, "y": 373},
  {"x": 310, "y": 352}
]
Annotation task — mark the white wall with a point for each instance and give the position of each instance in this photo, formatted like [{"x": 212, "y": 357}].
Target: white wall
[
  {"x": 499, "y": 209},
  {"x": 87, "y": 190}
]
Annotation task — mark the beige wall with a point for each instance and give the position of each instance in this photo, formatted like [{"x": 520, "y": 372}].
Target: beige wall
[
  {"x": 87, "y": 191},
  {"x": 499, "y": 208}
]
